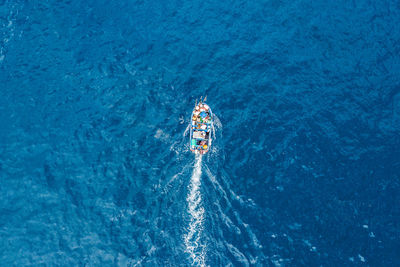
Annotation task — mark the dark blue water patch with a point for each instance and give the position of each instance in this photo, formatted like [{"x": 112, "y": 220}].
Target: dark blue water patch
[{"x": 95, "y": 98}]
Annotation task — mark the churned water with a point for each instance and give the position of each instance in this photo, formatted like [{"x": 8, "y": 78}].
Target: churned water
[{"x": 95, "y": 99}]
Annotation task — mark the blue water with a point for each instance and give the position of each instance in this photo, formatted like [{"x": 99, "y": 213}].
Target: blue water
[{"x": 95, "y": 98}]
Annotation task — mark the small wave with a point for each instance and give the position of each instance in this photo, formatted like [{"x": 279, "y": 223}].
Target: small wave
[
  {"x": 168, "y": 185},
  {"x": 186, "y": 130},
  {"x": 228, "y": 195},
  {"x": 237, "y": 254},
  {"x": 217, "y": 122}
]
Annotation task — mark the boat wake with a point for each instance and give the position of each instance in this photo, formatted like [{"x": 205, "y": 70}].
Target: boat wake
[{"x": 193, "y": 245}]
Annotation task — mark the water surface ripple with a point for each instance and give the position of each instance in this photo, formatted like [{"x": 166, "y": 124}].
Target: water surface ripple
[{"x": 95, "y": 97}]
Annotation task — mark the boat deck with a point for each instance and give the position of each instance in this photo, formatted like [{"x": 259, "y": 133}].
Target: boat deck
[{"x": 200, "y": 132}]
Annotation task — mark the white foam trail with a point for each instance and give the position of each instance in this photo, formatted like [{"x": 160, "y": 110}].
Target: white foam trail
[{"x": 193, "y": 243}]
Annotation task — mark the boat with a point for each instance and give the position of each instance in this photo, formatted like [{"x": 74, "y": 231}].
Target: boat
[{"x": 201, "y": 128}]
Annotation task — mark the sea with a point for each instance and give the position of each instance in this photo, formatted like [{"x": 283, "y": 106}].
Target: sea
[{"x": 95, "y": 102}]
